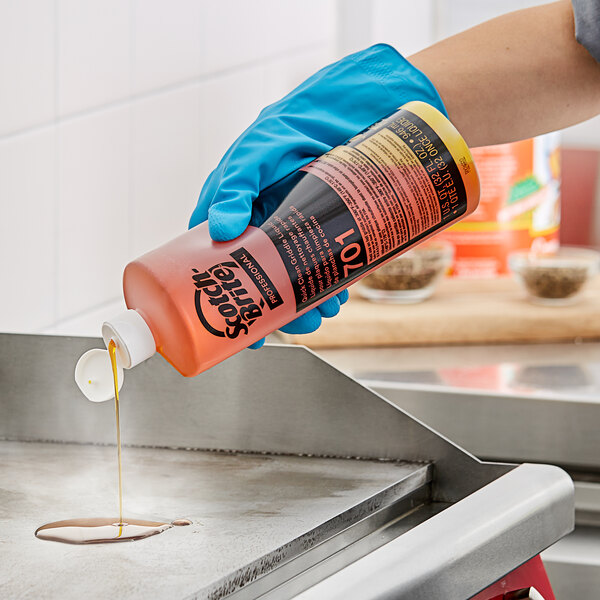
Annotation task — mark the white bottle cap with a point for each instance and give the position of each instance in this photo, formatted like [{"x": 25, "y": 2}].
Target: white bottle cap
[
  {"x": 134, "y": 343},
  {"x": 94, "y": 376},
  {"x": 132, "y": 336}
]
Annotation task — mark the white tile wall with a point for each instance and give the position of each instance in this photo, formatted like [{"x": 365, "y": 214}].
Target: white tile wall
[
  {"x": 408, "y": 26},
  {"x": 284, "y": 26},
  {"x": 166, "y": 166},
  {"x": 284, "y": 74},
  {"x": 27, "y": 82},
  {"x": 453, "y": 16},
  {"x": 86, "y": 323},
  {"x": 229, "y": 103},
  {"x": 93, "y": 53},
  {"x": 237, "y": 33},
  {"x": 93, "y": 209},
  {"x": 166, "y": 42},
  {"x": 112, "y": 114},
  {"x": 419, "y": 31},
  {"x": 27, "y": 240}
]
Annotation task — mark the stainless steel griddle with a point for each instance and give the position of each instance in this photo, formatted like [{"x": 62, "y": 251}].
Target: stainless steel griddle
[{"x": 300, "y": 483}]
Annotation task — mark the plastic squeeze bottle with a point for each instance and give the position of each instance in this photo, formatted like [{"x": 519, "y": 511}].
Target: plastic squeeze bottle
[{"x": 197, "y": 301}]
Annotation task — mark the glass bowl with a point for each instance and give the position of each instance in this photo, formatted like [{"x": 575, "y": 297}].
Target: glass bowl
[
  {"x": 410, "y": 277},
  {"x": 555, "y": 279}
]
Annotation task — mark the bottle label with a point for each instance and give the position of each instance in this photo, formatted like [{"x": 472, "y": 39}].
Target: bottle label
[
  {"x": 225, "y": 301},
  {"x": 382, "y": 191}
]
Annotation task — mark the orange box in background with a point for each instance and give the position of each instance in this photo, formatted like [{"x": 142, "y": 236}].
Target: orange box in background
[{"x": 519, "y": 207}]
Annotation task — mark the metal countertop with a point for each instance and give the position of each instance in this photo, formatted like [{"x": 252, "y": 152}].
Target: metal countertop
[
  {"x": 415, "y": 362},
  {"x": 544, "y": 398},
  {"x": 249, "y": 512}
]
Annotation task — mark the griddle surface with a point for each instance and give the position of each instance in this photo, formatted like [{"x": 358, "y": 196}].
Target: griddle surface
[{"x": 248, "y": 512}]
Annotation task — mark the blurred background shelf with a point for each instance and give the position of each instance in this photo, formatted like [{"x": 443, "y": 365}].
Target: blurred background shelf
[{"x": 460, "y": 312}]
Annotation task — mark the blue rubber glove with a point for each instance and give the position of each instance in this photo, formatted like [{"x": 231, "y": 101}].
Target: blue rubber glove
[{"x": 330, "y": 107}]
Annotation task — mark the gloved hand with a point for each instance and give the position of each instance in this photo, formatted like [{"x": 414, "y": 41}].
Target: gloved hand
[{"x": 330, "y": 107}]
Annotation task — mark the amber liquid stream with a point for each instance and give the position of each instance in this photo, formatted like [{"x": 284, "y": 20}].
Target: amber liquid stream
[
  {"x": 112, "y": 351},
  {"x": 101, "y": 530}
]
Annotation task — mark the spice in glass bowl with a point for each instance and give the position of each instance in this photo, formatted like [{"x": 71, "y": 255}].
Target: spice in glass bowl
[
  {"x": 410, "y": 277},
  {"x": 557, "y": 278}
]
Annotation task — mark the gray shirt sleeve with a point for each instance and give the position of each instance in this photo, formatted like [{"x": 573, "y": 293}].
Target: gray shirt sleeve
[{"x": 587, "y": 25}]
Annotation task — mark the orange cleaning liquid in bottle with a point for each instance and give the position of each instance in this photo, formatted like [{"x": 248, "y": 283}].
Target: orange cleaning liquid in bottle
[{"x": 325, "y": 226}]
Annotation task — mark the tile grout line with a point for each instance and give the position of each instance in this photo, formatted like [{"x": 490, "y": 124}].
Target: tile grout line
[
  {"x": 179, "y": 86},
  {"x": 56, "y": 166},
  {"x": 202, "y": 111},
  {"x": 131, "y": 181}
]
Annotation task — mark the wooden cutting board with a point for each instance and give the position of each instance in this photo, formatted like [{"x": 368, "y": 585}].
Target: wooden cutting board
[{"x": 460, "y": 312}]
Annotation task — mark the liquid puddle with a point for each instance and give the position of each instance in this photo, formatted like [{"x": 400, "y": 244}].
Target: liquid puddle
[
  {"x": 99, "y": 530},
  {"x": 104, "y": 530}
]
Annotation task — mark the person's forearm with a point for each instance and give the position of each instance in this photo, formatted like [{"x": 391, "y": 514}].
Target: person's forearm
[{"x": 516, "y": 76}]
